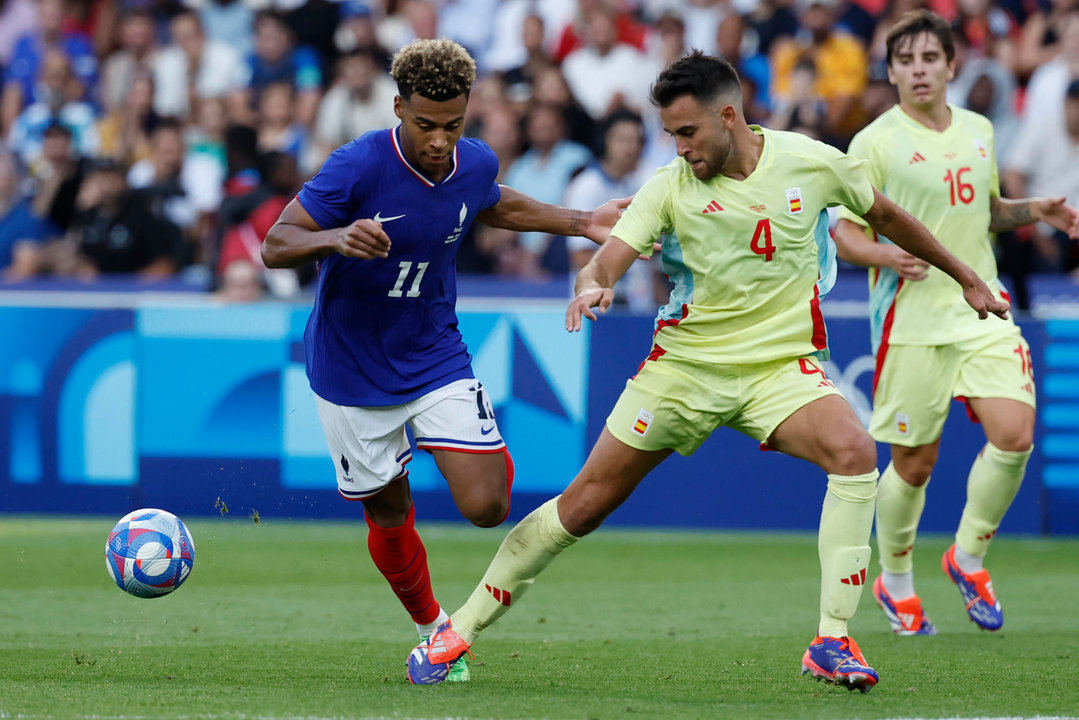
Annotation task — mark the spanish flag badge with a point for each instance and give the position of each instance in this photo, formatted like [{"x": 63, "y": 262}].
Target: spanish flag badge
[
  {"x": 794, "y": 200},
  {"x": 644, "y": 419}
]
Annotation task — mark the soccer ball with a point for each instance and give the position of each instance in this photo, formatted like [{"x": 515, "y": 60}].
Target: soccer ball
[{"x": 149, "y": 553}]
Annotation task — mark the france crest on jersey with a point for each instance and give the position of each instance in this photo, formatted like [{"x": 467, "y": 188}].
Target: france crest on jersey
[{"x": 384, "y": 331}]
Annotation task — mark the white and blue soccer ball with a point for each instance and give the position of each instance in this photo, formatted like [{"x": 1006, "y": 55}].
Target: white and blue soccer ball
[{"x": 149, "y": 553}]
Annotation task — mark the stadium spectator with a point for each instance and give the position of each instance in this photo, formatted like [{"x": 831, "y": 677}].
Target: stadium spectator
[
  {"x": 893, "y": 10},
  {"x": 193, "y": 68},
  {"x": 241, "y": 282},
  {"x": 460, "y": 21},
  {"x": 58, "y": 102},
  {"x": 278, "y": 128},
  {"x": 988, "y": 30},
  {"x": 543, "y": 172},
  {"x": 577, "y": 34},
  {"x": 921, "y": 366},
  {"x": 736, "y": 347},
  {"x": 314, "y": 26},
  {"x": 605, "y": 74},
  {"x": 1043, "y": 164},
  {"x": 57, "y": 177},
  {"x": 134, "y": 57},
  {"x": 383, "y": 347},
  {"x": 357, "y": 33},
  {"x": 206, "y": 135},
  {"x": 241, "y": 160},
  {"x": 257, "y": 213},
  {"x": 1040, "y": 37},
  {"x": 17, "y": 18},
  {"x": 702, "y": 19},
  {"x": 22, "y": 232},
  {"x": 21, "y": 86},
  {"x": 772, "y": 21},
  {"x": 617, "y": 173},
  {"x": 124, "y": 132},
  {"x": 550, "y": 88},
  {"x": 840, "y": 63},
  {"x": 278, "y": 59},
  {"x": 1044, "y": 97},
  {"x": 413, "y": 20},
  {"x": 519, "y": 79},
  {"x": 228, "y": 21},
  {"x": 801, "y": 108},
  {"x": 115, "y": 232},
  {"x": 984, "y": 85},
  {"x": 361, "y": 99},
  {"x": 752, "y": 68},
  {"x": 506, "y": 50},
  {"x": 671, "y": 38},
  {"x": 181, "y": 187}
]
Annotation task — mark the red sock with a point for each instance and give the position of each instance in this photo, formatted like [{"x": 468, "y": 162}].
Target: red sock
[{"x": 400, "y": 556}]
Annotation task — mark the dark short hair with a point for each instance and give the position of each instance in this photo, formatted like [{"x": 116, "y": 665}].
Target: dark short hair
[
  {"x": 913, "y": 24},
  {"x": 704, "y": 77},
  {"x": 438, "y": 70}
]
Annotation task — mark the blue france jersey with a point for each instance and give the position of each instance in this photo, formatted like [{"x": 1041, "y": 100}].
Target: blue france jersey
[{"x": 384, "y": 331}]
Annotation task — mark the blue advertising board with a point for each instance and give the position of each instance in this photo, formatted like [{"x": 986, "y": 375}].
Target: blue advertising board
[{"x": 196, "y": 406}]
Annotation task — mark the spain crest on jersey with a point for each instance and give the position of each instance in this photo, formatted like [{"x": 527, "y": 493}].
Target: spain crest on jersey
[
  {"x": 980, "y": 146},
  {"x": 794, "y": 200},
  {"x": 644, "y": 419}
]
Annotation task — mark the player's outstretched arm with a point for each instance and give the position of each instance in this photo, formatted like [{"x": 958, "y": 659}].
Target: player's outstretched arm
[
  {"x": 904, "y": 230},
  {"x": 1007, "y": 215},
  {"x": 596, "y": 280},
  {"x": 296, "y": 239},
  {"x": 855, "y": 246},
  {"x": 523, "y": 213}
]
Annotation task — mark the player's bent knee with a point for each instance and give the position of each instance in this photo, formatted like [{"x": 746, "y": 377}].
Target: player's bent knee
[
  {"x": 487, "y": 513},
  {"x": 1020, "y": 440},
  {"x": 853, "y": 454}
]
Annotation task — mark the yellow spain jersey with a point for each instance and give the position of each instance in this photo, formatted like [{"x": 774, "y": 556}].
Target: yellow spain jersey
[
  {"x": 946, "y": 180},
  {"x": 746, "y": 256}
]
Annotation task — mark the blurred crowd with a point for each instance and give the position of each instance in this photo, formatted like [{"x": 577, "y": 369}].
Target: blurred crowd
[{"x": 162, "y": 139}]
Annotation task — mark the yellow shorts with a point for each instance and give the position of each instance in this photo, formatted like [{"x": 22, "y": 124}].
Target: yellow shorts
[
  {"x": 915, "y": 384},
  {"x": 675, "y": 403}
]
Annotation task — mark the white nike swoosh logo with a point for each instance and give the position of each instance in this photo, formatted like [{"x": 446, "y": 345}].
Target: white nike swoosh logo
[{"x": 378, "y": 217}]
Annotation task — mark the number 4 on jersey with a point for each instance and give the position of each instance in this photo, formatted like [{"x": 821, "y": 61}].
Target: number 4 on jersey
[{"x": 761, "y": 243}]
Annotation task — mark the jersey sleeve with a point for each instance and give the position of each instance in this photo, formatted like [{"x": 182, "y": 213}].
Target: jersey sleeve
[
  {"x": 855, "y": 175},
  {"x": 330, "y": 198},
  {"x": 649, "y": 215}
]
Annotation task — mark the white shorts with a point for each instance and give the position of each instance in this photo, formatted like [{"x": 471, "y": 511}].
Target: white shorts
[{"x": 370, "y": 447}]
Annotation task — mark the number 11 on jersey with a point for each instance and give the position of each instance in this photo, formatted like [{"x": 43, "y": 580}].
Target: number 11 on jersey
[{"x": 406, "y": 268}]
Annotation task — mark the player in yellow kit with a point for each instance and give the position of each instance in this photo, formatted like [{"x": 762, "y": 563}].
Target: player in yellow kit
[
  {"x": 738, "y": 345},
  {"x": 937, "y": 161}
]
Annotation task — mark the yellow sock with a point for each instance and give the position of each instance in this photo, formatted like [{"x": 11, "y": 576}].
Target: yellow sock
[
  {"x": 994, "y": 480},
  {"x": 528, "y": 548},
  {"x": 846, "y": 521},
  {"x": 899, "y": 509}
]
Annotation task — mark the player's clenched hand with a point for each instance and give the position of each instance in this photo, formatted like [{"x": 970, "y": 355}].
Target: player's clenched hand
[
  {"x": 362, "y": 239},
  {"x": 906, "y": 265},
  {"x": 584, "y": 302},
  {"x": 981, "y": 298},
  {"x": 603, "y": 219},
  {"x": 1054, "y": 211}
]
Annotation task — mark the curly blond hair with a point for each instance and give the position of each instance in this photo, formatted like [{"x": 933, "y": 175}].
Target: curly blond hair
[{"x": 436, "y": 69}]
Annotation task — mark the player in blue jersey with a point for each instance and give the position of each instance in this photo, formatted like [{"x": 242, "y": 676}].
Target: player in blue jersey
[{"x": 384, "y": 218}]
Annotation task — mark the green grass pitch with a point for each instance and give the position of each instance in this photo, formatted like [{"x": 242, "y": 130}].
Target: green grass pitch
[{"x": 291, "y": 620}]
